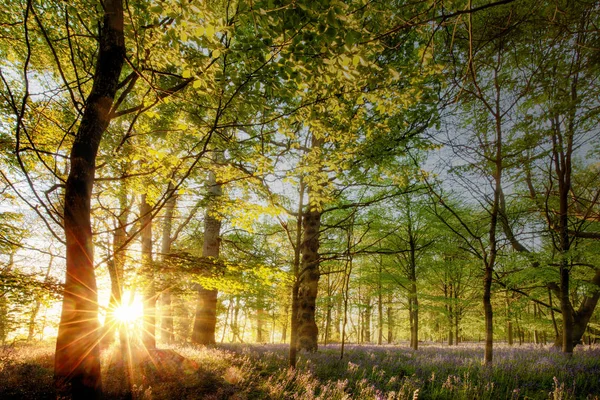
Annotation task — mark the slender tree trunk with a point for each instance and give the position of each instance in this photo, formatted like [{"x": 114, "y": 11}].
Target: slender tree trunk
[
  {"x": 260, "y": 318},
  {"x": 116, "y": 266},
  {"x": 235, "y": 324},
  {"x": 450, "y": 311},
  {"x": 77, "y": 360},
  {"x": 509, "y": 327},
  {"x": 228, "y": 312},
  {"x": 149, "y": 331},
  {"x": 536, "y": 334},
  {"x": 294, "y": 325},
  {"x": 390, "y": 319},
  {"x": 380, "y": 308},
  {"x": 329, "y": 308},
  {"x": 4, "y": 323},
  {"x": 166, "y": 324},
  {"x": 328, "y": 317},
  {"x": 554, "y": 324},
  {"x": 284, "y": 326},
  {"x": 38, "y": 304},
  {"x": 414, "y": 334},
  {"x": 457, "y": 336},
  {"x": 367, "y": 319},
  {"x": 205, "y": 321},
  {"x": 487, "y": 309},
  {"x": 346, "y": 293}
]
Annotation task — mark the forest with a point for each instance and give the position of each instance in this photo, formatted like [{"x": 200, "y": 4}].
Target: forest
[{"x": 296, "y": 199}]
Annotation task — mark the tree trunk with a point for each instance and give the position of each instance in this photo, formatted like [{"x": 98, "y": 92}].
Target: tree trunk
[
  {"x": 380, "y": 309},
  {"x": 328, "y": 317},
  {"x": 260, "y": 319},
  {"x": 205, "y": 322},
  {"x": 294, "y": 325},
  {"x": 235, "y": 324},
  {"x": 367, "y": 320},
  {"x": 284, "y": 326},
  {"x": 4, "y": 323},
  {"x": 414, "y": 333},
  {"x": 581, "y": 317},
  {"x": 38, "y": 304},
  {"x": 77, "y": 360},
  {"x": 536, "y": 334},
  {"x": 165, "y": 248},
  {"x": 457, "y": 336},
  {"x": 488, "y": 313},
  {"x": 116, "y": 266},
  {"x": 295, "y": 285},
  {"x": 449, "y": 310},
  {"x": 308, "y": 283},
  {"x": 509, "y": 327},
  {"x": 390, "y": 319},
  {"x": 149, "y": 331}
]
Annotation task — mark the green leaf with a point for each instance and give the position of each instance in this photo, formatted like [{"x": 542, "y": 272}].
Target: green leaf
[{"x": 209, "y": 30}]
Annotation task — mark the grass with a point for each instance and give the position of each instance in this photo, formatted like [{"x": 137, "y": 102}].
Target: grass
[{"x": 366, "y": 372}]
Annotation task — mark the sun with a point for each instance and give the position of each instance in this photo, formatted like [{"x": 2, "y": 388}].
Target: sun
[{"x": 129, "y": 312}]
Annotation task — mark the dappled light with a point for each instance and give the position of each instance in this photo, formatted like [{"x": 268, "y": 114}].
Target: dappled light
[{"x": 298, "y": 199}]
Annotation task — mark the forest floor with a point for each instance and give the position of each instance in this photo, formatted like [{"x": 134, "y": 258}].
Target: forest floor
[{"x": 366, "y": 372}]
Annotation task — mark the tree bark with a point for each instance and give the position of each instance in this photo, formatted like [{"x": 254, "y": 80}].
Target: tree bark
[
  {"x": 149, "y": 331},
  {"x": 116, "y": 266},
  {"x": 77, "y": 360},
  {"x": 450, "y": 311},
  {"x": 205, "y": 322},
  {"x": 38, "y": 304},
  {"x": 293, "y": 353},
  {"x": 390, "y": 319},
  {"x": 380, "y": 307},
  {"x": 166, "y": 324},
  {"x": 260, "y": 319},
  {"x": 308, "y": 283},
  {"x": 413, "y": 298},
  {"x": 509, "y": 327}
]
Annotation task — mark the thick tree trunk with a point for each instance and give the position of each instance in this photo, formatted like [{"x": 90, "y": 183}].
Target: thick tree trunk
[
  {"x": 77, "y": 360},
  {"x": 580, "y": 318},
  {"x": 308, "y": 283},
  {"x": 149, "y": 331},
  {"x": 205, "y": 322}
]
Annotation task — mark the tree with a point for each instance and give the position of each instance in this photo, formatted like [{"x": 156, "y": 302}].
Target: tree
[
  {"x": 77, "y": 362},
  {"x": 205, "y": 320}
]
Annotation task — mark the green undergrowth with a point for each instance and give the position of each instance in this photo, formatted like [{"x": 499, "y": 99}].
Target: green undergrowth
[{"x": 366, "y": 372}]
